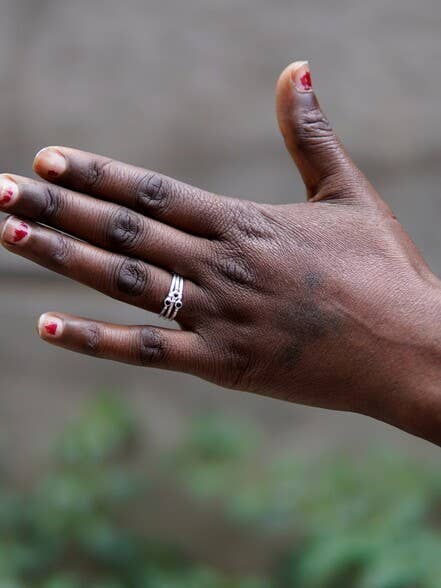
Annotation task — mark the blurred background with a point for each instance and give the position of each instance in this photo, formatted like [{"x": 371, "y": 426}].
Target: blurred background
[{"x": 187, "y": 88}]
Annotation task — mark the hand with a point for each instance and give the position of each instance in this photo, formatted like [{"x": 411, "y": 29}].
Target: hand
[{"x": 326, "y": 303}]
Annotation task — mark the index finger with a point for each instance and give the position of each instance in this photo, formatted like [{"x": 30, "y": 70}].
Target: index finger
[{"x": 166, "y": 199}]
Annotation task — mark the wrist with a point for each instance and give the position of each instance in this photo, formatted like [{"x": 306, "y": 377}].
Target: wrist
[{"x": 411, "y": 395}]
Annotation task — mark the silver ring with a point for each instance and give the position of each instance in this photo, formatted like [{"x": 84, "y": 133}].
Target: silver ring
[{"x": 173, "y": 301}]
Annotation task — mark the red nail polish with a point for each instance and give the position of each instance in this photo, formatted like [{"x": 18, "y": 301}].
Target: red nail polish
[
  {"x": 6, "y": 196},
  {"x": 51, "y": 328},
  {"x": 20, "y": 232},
  {"x": 302, "y": 77},
  {"x": 50, "y": 162},
  {"x": 305, "y": 80},
  {"x": 8, "y": 190},
  {"x": 14, "y": 231}
]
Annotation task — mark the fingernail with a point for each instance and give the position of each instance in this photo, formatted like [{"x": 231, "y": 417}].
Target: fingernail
[
  {"x": 50, "y": 326},
  {"x": 15, "y": 231},
  {"x": 50, "y": 162},
  {"x": 301, "y": 76},
  {"x": 8, "y": 192}
]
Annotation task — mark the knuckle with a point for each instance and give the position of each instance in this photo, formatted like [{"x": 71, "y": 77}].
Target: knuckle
[
  {"x": 60, "y": 252},
  {"x": 235, "y": 269},
  {"x": 249, "y": 223},
  {"x": 124, "y": 229},
  {"x": 132, "y": 277},
  {"x": 92, "y": 339},
  {"x": 238, "y": 367},
  {"x": 151, "y": 347},
  {"x": 153, "y": 194},
  {"x": 94, "y": 173},
  {"x": 313, "y": 125},
  {"x": 51, "y": 203}
]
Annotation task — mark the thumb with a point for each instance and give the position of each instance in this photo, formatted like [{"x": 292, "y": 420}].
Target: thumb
[{"x": 316, "y": 150}]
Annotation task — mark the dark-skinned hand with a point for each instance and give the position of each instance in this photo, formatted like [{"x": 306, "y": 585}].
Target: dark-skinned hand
[{"x": 326, "y": 303}]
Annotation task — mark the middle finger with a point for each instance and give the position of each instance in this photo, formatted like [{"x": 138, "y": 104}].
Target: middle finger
[{"x": 108, "y": 225}]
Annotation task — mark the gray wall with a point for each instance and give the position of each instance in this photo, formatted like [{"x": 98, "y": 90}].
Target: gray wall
[{"x": 186, "y": 87}]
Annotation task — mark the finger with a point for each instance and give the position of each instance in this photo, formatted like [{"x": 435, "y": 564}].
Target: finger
[
  {"x": 120, "y": 277},
  {"x": 168, "y": 200},
  {"x": 138, "y": 345},
  {"x": 325, "y": 166},
  {"x": 110, "y": 226}
]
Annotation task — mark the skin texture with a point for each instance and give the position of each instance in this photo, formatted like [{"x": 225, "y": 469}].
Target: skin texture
[{"x": 326, "y": 303}]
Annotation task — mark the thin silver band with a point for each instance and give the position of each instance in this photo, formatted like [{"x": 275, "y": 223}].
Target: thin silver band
[{"x": 173, "y": 301}]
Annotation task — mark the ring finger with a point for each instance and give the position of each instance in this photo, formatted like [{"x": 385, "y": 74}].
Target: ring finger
[{"x": 124, "y": 278}]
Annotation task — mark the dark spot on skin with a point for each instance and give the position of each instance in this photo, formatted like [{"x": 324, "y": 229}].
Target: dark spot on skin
[
  {"x": 313, "y": 280},
  {"x": 307, "y": 323},
  {"x": 307, "y": 320}
]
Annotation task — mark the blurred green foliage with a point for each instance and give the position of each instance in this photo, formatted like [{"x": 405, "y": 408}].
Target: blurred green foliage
[{"x": 371, "y": 522}]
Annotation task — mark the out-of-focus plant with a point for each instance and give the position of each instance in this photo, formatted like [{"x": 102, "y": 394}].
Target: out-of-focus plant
[
  {"x": 346, "y": 522},
  {"x": 371, "y": 521},
  {"x": 70, "y": 530}
]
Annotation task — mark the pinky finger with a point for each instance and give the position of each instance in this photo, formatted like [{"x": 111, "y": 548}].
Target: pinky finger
[{"x": 138, "y": 345}]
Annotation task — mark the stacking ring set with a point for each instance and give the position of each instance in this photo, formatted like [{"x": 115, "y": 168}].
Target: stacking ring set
[{"x": 173, "y": 301}]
